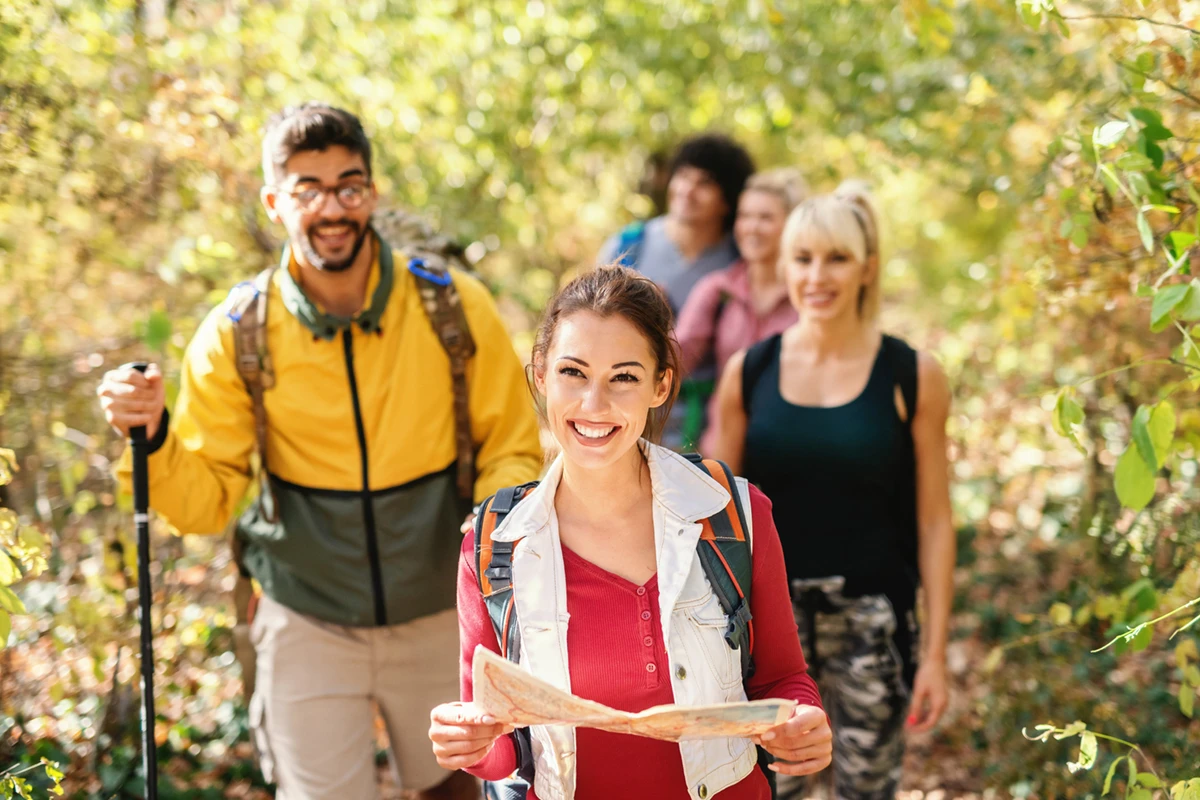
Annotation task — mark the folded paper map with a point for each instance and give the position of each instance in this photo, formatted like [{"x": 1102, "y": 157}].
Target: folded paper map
[{"x": 513, "y": 696}]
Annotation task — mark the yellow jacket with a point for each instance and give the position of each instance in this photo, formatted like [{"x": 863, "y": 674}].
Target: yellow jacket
[{"x": 360, "y": 446}]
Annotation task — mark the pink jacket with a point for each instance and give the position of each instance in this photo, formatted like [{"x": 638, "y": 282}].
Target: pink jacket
[{"x": 718, "y": 320}]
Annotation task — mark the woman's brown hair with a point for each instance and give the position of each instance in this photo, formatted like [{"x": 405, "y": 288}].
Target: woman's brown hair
[{"x": 615, "y": 291}]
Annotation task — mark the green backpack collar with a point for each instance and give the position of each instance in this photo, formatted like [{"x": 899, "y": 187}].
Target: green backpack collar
[{"x": 324, "y": 325}]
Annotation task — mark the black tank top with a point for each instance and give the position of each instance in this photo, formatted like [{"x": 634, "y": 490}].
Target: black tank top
[{"x": 842, "y": 479}]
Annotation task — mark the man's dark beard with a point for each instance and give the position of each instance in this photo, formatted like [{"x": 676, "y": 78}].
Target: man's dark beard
[{"x": 314, "y": 258}]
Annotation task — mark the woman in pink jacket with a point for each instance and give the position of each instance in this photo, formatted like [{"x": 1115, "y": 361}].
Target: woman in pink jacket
[{"x": 732, "y": 309}]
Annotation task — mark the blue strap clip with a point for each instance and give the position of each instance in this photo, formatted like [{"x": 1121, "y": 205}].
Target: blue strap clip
[{"x": 417, "y": 267}]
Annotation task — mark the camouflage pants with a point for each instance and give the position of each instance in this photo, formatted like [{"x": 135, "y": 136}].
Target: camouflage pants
[{"x": 853, "y": 655}]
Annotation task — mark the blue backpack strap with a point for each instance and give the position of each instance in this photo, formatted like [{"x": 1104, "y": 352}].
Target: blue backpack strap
[
  {"x": 629, "y": 244},
  {"x": 725, "y": 554},
  {"x": 493, "y": 569}
]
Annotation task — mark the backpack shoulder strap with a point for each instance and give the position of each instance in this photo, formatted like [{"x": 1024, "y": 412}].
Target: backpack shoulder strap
[
  {"x": 902, "y": 359},
  {"x": 248, "y": 310},
  {"x": 629, "y": 245},
  {"x": 493, "y": 567},
  {"x": 758, "y": 358},
  {"x": 727, "y": 558},
  {"x": 443, "y": 306}
]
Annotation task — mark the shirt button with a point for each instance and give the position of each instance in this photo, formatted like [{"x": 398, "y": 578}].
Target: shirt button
[
  {"x": 651, "y": 668},
  {"x": 681, "y": 673},
  {"x": 645, "y": 615},
  {"x": 648, "y": 642},
  {"x": 641, "y": 590},
  {"x": 702, "y": 791}
]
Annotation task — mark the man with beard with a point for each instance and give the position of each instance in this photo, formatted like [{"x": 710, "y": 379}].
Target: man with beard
[{"x": 355, "y": 539}]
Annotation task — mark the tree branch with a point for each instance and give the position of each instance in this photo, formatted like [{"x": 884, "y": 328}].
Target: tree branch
[
  {"x": 1172, "y": 87},
  {"x": 1133, "y": 18}
]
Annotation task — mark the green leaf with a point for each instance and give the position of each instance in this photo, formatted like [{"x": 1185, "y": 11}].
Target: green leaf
[
  {"x": 1109, "y": 133},
  {"x": 1143, "y": 639},
  {"x": 1157, "y": 133},
  {"x": 1139, "y": 794},
  {"x": 1079, "y": 237},
  {"x": 1152, "y": 150},
  {"x": 1134, "y": 162},
  {"x": 1067, "y": 412},
  {"x": 1147, "y": 234},
  {"x": 1074, "y": 729},
  {"x": 1140, "y": 433},
  {"x": 10, "y": 602},
  {"x": 1165, "y": 300},
  {"x": 1146, "y": 116},
  {"x": 1134, "y": 480},
  {"x": 1112, "y": 770},
  {"x": 1087, "y": 752},
  {"x": 1149, "y": 780},
  {"x": 1060, "y": 614},
  {"x": 155, "y": 331},
  {"x": 1162, "y": 431},
  {"x": 5, "y": 628},
  {"x": 1187, "y": 700},
  {"x": 1138, "y": 185},
  {"x": 9, "y": 574},
  {"x": 1186, "y": 790},
  {"x": 1166, "y": 209},
  {"x": 1188, "y": 309},
  {"x": 1182, "y": 240}
]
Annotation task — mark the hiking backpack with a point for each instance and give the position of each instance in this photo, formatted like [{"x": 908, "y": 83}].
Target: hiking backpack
[{"x": 724, "y": 550}]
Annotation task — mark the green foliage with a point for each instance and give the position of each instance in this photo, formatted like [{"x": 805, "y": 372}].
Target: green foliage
[
  {"x": 1039, "y": 203},
  {"x": 12, "y": 785}
]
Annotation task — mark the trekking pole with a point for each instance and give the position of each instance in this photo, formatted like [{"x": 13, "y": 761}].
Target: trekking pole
[{"x": 141, "y": 519}]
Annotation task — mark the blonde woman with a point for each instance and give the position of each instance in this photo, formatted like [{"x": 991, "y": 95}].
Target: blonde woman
[
  {"x": 844, "y": 429},
  {"x": 732, "y": 309}
]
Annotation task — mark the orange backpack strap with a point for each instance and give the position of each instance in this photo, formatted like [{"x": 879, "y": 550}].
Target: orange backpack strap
[
  {"x": 493, "y": 567},
  {"x": 726, "y": 556}
]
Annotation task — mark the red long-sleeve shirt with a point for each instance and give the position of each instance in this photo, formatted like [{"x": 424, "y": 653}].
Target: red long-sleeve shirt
[{"x": 616, "y": 656}]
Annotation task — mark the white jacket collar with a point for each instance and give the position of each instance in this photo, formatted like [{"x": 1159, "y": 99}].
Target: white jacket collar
[{"x": 678, "y": 486}]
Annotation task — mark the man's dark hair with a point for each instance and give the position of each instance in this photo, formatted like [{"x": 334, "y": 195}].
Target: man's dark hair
[
  {"x": 310, "y": 126},
  {"x": 722, "y": 158}
]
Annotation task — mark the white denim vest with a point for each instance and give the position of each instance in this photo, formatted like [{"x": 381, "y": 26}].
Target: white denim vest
[{"x": 703, "y": 668}]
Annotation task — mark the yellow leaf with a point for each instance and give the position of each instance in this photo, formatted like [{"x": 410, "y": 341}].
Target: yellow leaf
[
  {"x": 1060, "y": 614},
  {"x": 9, "y": 574},
  {"x": 1184, "y": 651}
]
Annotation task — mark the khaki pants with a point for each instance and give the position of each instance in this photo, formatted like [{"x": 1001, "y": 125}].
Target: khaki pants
[{"x": 312, "y": 714}]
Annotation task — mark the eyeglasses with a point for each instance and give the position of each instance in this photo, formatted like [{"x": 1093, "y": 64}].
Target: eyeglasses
[{"x": 312, "y": 198}]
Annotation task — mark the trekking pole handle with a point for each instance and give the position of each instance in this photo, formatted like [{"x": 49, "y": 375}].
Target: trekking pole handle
[{"x": 138, "y": 434}]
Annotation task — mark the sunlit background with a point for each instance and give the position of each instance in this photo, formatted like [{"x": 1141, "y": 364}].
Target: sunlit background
[{"x": 1025, "y": 244}]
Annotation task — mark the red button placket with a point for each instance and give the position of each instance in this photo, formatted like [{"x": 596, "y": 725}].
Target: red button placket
[{"x": 647, "y": 629}]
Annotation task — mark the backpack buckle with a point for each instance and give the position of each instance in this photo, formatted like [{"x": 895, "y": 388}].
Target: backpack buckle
[
  {"x": 249, "y": 364},
  {"x": 737, "y": 634}
]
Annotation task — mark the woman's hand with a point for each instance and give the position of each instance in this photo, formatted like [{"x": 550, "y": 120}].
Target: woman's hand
[
  {"x": 462, "y": 734},
  {"x": 802, "y": 745},
  {"x": 930, "y": 696}
]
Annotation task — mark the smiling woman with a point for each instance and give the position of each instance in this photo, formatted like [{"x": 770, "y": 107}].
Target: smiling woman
[
  {"x": 614, "y": 583},
  {"x": 626, "y": 324}
]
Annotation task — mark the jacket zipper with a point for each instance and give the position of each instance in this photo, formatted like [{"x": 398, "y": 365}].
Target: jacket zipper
[{"x": 368, "y": 504}]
